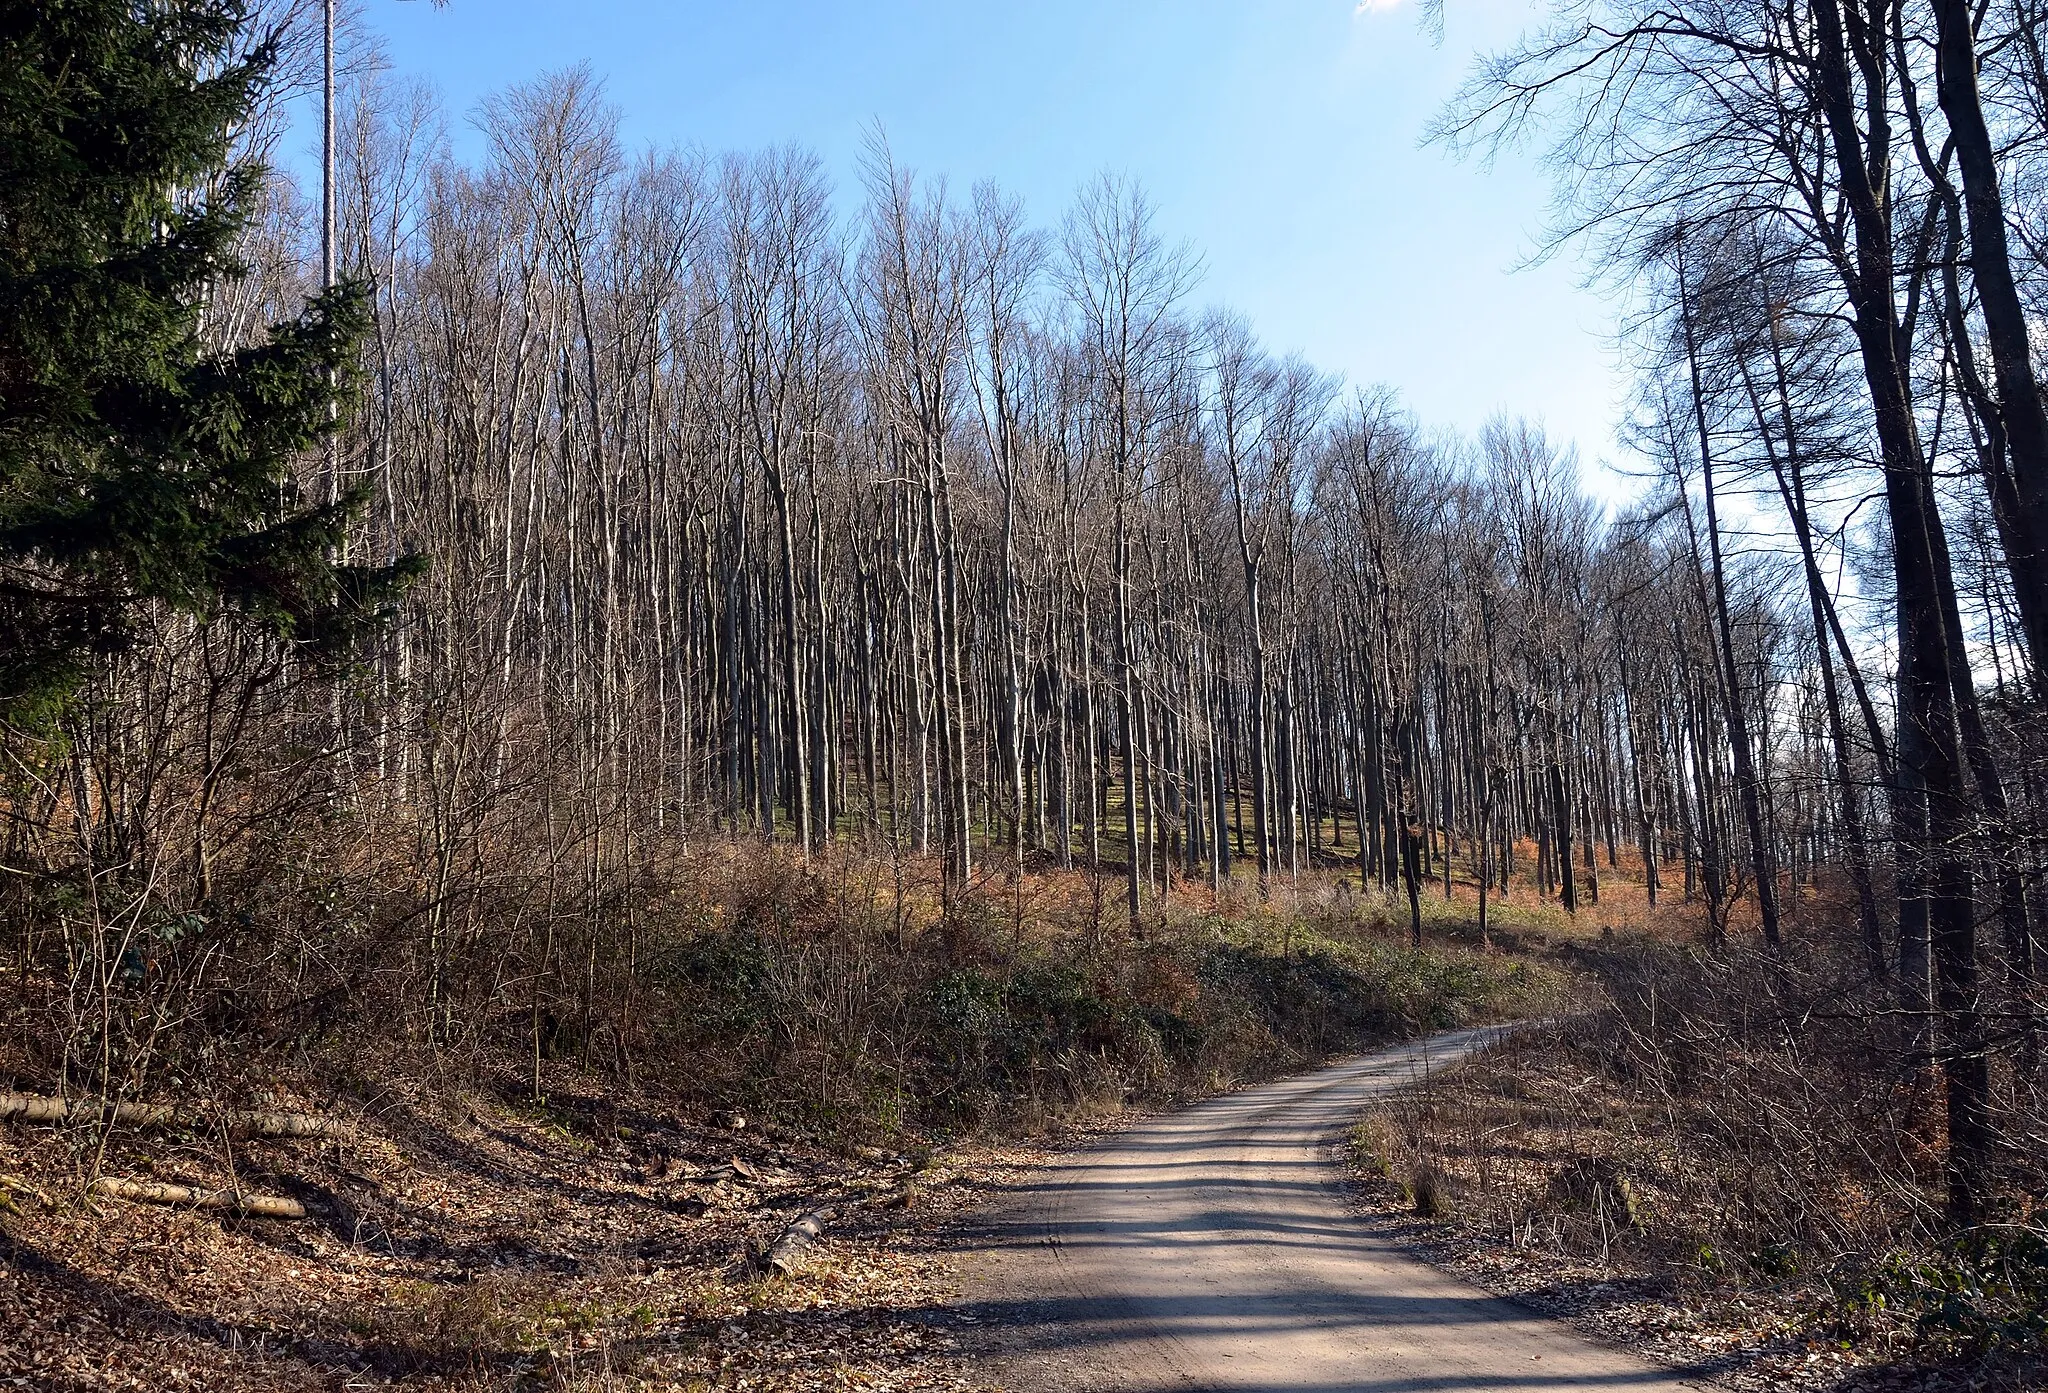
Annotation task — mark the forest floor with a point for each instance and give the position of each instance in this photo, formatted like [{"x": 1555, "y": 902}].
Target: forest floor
[{"x": 599, "y": 1243}]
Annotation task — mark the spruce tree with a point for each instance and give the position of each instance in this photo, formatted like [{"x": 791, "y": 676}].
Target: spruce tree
[{"x": 140, "y": 468}]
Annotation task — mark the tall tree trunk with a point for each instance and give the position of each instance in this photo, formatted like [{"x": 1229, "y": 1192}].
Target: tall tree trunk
[
  {"x": 2019, "y": 406},
  {"x": 1747, "y": 781}
]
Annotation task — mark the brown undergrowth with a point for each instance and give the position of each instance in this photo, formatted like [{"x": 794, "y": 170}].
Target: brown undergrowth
[
  {"x": 567, "y": 1143},
  {"x": 1738, "y": 1166}
]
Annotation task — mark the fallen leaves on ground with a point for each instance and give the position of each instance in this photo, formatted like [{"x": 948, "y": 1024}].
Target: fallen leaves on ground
[{"x": 593, "y": 1243}]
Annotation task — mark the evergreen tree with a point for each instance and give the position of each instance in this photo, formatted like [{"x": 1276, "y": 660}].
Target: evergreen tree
[{"x": 139, "y": 467}]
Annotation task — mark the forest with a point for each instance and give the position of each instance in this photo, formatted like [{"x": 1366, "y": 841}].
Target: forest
[{"x": 420, "y": 587}]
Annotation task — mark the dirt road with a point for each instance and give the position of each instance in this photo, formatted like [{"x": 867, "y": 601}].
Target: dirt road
[{"x": 1214, "y": 1249}]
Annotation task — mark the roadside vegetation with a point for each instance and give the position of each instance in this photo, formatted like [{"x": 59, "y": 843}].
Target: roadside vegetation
[{"x": 1736, "y": 1164}]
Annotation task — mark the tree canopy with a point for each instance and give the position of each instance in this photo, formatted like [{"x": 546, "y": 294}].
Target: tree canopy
[{"x": 141, "y": 463}]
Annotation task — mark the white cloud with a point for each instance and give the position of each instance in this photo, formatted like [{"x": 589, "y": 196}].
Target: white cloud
[{"x": 1366, "y": 7}]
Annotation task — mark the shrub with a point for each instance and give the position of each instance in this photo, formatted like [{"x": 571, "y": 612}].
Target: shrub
[{"x": 1981, "y": 1292}]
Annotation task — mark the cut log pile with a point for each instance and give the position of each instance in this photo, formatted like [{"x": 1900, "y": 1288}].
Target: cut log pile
[{"x": 35, "y": 1107}]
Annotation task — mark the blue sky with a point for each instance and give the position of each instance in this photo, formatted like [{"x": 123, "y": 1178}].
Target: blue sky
[{"x": 1279, "y": 137}]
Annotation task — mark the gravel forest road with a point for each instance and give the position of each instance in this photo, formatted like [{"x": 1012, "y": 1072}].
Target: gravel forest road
[{"x": 1214, "y": 1249}]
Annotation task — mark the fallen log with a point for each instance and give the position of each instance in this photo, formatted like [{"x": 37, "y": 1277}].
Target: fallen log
[
  {"x": 792, "y": 1249},
  {"x": 32, "y": 1107},
  {"x": 35, "y": 1107},
  {"x": 156, "y": 1192},
  {"x": 285, "y": 1124}
]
